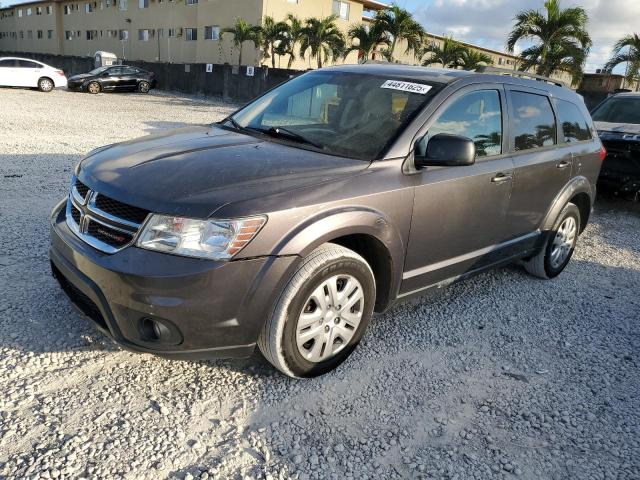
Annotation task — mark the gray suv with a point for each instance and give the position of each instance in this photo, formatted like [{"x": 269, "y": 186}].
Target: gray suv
[{"x": 332, "y": 196}]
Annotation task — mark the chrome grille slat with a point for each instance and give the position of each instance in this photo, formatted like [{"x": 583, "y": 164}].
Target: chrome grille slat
[{"x": 98, "y": 227}]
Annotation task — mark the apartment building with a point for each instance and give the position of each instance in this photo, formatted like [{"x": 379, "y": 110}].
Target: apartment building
[{"x": 178, "y": 31}]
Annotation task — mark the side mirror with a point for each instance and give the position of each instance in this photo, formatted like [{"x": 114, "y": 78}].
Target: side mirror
[{"x": 445, "y": 150}]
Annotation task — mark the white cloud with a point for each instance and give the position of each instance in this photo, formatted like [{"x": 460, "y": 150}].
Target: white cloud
[{"x": 488, "y": 22}]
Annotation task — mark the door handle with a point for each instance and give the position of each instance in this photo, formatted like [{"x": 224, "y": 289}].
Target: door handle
[
  {"x": 501, "y": 178},
  {"x": 562, "y": 164}
]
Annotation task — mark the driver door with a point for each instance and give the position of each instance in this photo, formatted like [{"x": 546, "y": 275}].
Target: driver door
[{"x": 459, "y": 212}]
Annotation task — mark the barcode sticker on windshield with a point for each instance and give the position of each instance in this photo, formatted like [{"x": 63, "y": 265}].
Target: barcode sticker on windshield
[{"x": 406, "y": 86}]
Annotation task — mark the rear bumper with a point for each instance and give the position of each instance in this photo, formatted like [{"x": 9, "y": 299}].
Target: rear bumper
[
  {"x": 206, "y": 309},
  {"x": 60, "y": 82}
]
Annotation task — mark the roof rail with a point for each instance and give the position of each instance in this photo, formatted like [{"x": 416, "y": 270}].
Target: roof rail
[{"x": 518, "y": 73}]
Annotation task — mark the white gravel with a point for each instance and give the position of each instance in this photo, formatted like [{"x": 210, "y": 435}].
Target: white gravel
[{"x": 502, "y": 376}]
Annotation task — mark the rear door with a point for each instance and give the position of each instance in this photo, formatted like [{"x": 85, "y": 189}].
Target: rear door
[
  {"x": 129, "y": 79},
  {"x": 8, "y": 72},
  {"x": 458, "y": 222},
  {"x": 541, "y": 167}
]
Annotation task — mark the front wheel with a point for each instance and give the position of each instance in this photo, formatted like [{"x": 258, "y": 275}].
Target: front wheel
[
  {"x": 144, "y": 87},
  {"x": 45, "y": 85},
  {"x": 559, "y": 247},
  {"x": 322, "y": 314}
]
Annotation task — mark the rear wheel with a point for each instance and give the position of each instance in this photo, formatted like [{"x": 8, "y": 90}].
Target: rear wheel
[
  {"x": 559, "y": 247},
  {"x": 322, "y": 313},
  {"x": 45, "y": 84},
  {"x": 144, "y": 87},
  {"x": 94, "y": 87}
]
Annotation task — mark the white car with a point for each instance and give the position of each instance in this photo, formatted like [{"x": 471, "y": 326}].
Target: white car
[{"x": 23, "y": 72}]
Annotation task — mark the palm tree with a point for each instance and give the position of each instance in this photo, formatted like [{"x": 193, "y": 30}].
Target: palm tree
[
  {"x": 323, "y": 37},
  {"x": 287, "y": 46},
  {"x": 365, "y": 40},
  {"x": 631, "y": 57},
  {"x": 471, "y": 59},
  {"x": 272, "y": 34},
  {"x": 399, "y": 24},
  {"x": 243, "y": 32},
  {"x": 561, "y": 40},
  {"x": 449, "y": 55}
]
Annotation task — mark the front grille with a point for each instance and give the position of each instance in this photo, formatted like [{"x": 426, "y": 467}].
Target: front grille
[
  {"x": 79, "y": 299},
  {"x": 81, "y": 188},
  {"x": 121, "y": 210},
  {"x": 104, "y": 223},
  {"x": 108, "y": 235}
]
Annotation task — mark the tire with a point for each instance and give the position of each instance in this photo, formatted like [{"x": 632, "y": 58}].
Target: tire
[
  {"x": 553, "y": 259},
  {"x": 94, "y": 88},
  {"x": 281, "y": 340},
  {"x": 45, "y": 84},
  {"x": 144, "y": 87}
]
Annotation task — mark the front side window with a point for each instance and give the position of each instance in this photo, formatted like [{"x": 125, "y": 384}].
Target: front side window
[
  {"x": 573, "y": 124},
  {"x": 533, "y": 124},
  {"x": 341, "y": 113},
  {"x": 618, "y": 110},
  {"x": 475, "y": 115}
]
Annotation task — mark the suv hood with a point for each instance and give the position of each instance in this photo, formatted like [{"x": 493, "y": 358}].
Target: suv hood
[
  {"x": 196, "y": 171},
  {"x": 632, "y": 128}
]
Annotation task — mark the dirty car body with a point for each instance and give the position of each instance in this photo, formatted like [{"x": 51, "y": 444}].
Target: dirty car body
[{"x": 350, "y": 178}]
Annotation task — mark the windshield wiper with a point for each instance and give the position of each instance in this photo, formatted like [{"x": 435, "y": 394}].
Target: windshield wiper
[{"x": 285, "y": 132}]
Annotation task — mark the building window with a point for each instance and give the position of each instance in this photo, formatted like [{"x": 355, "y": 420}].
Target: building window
[
  {"x": 341, "y": 9},
  {"x": 19, "y": 12},
  {"x": 123, "y": 5},
  {"x": 49, "y": 10},
  {"x": 38, "y": 10},
  {"x": 29, "y": 34},
  {"x": 192, "y": 2},
  {"x": 21, "y": 34},
  {"x": 68, "y": 35},
  {"x": 143, "y": 35},
  {"x": 172, "y": 33},
  {"x": 292, "y": 1},
  {"x": 143, "y": 3},
  {"x": 191, "y": 34},
  {"x": 90, "y": 7},
  {"x": 212, "y": 32},
  {"x": 92, "y": 34},
  {"x": 107, "y": 3},
  {"x": 160, "y": 32},
  {"x": 49, "y": 34},
  {"x": 28, "y": 12},
  {"x": 67, "y": 9},
  {"x": 39, "y": 34},
  {"x": 124, "y": 34}
]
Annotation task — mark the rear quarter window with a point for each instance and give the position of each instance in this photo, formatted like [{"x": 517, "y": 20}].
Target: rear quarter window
[
  {"x": 533, "y": 124},
  {"x": 574, "y": 126}
]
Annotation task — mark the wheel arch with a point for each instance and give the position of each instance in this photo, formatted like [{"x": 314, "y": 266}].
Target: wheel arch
[
  {"x": 367, "y": 232},
  {"x": 45, "y": 77},
  {"x": 578, "y": 191}
]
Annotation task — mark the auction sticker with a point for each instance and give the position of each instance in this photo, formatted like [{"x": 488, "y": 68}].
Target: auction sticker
[{"x": 406, "y": 86}]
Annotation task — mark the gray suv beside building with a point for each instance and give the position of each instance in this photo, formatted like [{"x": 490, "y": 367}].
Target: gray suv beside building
[{"x": 332, "y": 196}]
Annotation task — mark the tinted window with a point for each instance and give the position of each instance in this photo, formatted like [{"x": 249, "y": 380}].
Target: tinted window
[
  {"x": 27, "y": 64},
  {"x": 129, "y": 71},
  {"x": 115, "y": 71},
  {"x": 476, "y": 115},
  {"x": 8, "y": 63},
  {"x": 618, "y": 110},
  {"x": 533, "y": 124},
  {"x": 574, "y": 126}
]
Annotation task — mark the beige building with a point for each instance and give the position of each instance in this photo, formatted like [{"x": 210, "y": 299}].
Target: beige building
[{"x": 178, "y": 31}]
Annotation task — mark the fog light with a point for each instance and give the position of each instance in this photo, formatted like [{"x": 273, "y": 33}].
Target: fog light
[{"x": 161, "y": 331}]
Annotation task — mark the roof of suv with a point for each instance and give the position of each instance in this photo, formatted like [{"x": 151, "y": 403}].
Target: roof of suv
[{"x": 448, "y": 76}]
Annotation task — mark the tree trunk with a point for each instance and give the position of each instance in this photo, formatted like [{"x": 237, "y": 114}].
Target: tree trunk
[
  {"x": 273, "y": 57},
  {"x": 240, "y": 59}
]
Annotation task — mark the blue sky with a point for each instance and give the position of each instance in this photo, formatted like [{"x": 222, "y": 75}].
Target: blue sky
[{"x": 487, "y": 22}]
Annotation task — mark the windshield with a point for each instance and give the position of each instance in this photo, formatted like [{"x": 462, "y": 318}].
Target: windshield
[
  {"x": 340, "y": 113},
  {"x": 98, "y": 71},
  {"x": 619, "y": 110}
]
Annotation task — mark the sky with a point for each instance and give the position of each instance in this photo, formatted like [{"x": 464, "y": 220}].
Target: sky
[{"x": 488, "y": 22}]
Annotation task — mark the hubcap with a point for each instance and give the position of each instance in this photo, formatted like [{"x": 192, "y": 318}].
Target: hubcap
[
  {"x": 563, "y": 241},
  {"x": 46, "y": 85},
  {"x": 330, "y": 318},
  {"x": 93, "y": 88},
  {"x": 144, "y": 87}
]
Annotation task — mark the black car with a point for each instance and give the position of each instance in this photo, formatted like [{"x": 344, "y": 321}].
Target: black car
[
  {"x": 618, "y": 122},
  {"x": 114, "y": 78}
]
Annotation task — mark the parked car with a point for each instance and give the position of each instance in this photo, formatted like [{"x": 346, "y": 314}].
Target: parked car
[
  {"x": 336, "y": 194},
  {"x": 24, "y": 72},
  {"x": 618, "y": 122},
  {"x": 114, "y": 78}
]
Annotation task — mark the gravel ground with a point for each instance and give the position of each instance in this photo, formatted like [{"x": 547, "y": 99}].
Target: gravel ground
[{"x": 502, "y": 376}]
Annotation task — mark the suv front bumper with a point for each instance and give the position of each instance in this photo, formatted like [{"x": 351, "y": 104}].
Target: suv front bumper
[{"x": 202, "y": 308}]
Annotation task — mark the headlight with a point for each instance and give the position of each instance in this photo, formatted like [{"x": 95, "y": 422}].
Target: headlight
[{"x": 212, "y": 239}]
